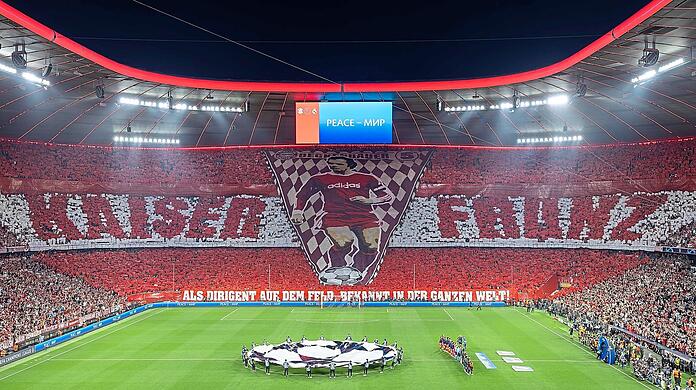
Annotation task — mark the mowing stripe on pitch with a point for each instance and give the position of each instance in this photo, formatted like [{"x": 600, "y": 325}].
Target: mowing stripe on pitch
[
  {"x": 80, "y": 345},
  {"x": 571, "y": 341}
]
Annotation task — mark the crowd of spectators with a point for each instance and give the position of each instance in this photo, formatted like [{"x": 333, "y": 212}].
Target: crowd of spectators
[
  {"x": 671, "y": 160},
  {"x": 165, "y": 269},
  {"x": 647, "y": 365},
  {"x": 658, "y": 370},
  {"x": 34, "y": 297},
  {"x": 521, "y": 271},
  {"x": 9, "y": 239},
  {"x": 649, "y": 219},
  {"x": 655, "y": 300},
  {"x": 652, "y": 298},
  {"x": 134, "y": 166}
]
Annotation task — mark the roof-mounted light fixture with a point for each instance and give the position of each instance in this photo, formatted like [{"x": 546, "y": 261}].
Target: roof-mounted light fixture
[
  {"x": 555, "y": 139},
  {"x": 35, "y": 79},
  {"x": 646, "y": 76},
  {"x": 650, "y": 54},
  {"x": 515, "y": 103},
  {"x": 169, "y": 104},
  {"x": 146, "y": 140},
  {"x": 47, "y": 69},
  {"x": 580, "y": 87},
  {"x": 19, "y": 56}
]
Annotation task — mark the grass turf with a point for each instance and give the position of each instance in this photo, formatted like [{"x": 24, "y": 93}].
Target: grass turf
[{"x": 199, "y": 348}]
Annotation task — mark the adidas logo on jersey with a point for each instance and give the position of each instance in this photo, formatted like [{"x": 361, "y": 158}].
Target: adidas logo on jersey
[{"x": 344, "y": 185}]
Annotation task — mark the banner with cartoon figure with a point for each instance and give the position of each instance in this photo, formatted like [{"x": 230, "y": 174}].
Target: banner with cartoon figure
[{"x": 345, "y": 205}]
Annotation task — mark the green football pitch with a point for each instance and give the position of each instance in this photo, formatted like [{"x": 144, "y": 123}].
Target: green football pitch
[{"x": 199, "y": 348}]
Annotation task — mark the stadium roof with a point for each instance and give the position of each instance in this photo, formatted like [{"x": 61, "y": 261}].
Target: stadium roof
[{"x": 623, "y": 102}]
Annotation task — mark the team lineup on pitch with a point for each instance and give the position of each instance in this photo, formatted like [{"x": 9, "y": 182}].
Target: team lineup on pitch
[{"x": 177, "y": 347}]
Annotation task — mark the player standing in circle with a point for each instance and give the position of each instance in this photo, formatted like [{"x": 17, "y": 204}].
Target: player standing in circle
[
  {"x": 267, "y": 365},
  {"x": 348, "y": 213},
  {"x": 365, "y": 367},
  {"x": 286, "y": 365},
  {"x": 332, "y": 370},
  {"x": 350, "y": 368}
]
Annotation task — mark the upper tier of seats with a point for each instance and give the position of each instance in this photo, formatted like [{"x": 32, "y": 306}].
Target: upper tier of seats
[
  {"x": 669, "y": 160},
  {"x": 672, "y": 160},
  {"x": 137, "y": 166}
]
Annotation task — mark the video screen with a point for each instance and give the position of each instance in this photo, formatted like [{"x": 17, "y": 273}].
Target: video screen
[{"x": 343, "y": 123}]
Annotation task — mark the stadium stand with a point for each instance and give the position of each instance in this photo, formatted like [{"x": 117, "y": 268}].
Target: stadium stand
[
  {"x": 133, "y": 166},
  {"x": 36, "y": 298},
  {"x": 9, "y": 239},
  {"x": 137, "y": 271},
  {"x": 83, "y": 220},
  {"x": 85, "y": 278},
  {"x": 179, "y": 211},
  {"x": 673, "y": 160},
  {"x": 522, "y": 271},
  {"x": 654, "y": 300}
]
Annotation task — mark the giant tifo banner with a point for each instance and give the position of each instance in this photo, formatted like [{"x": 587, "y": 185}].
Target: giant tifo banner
[
  {"x": 54, "y": 221},
  {"x": 345, "y": 205},
  {"x": 343, "y": 296}
]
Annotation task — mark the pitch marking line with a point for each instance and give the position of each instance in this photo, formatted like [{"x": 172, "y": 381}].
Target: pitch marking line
[
  {"x": 228, "y": 314},
  {"x": 80, "y": 345},
  {"x": 338, "y": 322},
  {"x": 448, "y": 314},
  {"x": 345, "y": 321},
  {"x": 237, "y": 359},
  {"x": 327, "y": 312},
  {"x": 571, "y": 341}
]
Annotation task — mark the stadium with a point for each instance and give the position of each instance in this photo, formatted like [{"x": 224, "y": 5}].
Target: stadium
[{"x": 530, "y": 228}]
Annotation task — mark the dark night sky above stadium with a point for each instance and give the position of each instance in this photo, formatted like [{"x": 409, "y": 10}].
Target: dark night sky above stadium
[{"x": 430, "y": 41}]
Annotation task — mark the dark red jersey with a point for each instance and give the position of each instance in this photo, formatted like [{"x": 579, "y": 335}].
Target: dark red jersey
[{"x": 337, "y": 190}]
